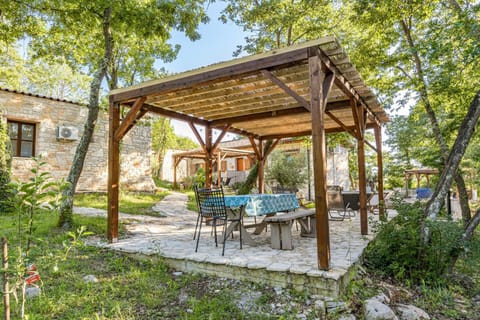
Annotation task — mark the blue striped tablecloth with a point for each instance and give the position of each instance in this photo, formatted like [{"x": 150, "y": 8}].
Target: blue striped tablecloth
[{"x": 262, "y": 204}]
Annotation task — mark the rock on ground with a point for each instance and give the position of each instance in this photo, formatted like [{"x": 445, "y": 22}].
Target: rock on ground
[
  {"x": 375, "y": 310},
  {"x": 409, "y": 312}
]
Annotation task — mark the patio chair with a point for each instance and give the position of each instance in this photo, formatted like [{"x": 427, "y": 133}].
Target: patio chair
[
  {"x": 335, "y": 205},
  {"x": 211, "y": 205},
  {"x": 351, "y": 200},
  {"x": 373, "y": 204}
]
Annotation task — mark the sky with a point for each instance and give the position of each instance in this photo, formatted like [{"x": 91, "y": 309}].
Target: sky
[{"x": 217, "y": 43}]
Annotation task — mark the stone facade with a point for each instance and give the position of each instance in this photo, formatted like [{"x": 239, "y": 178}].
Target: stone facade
[{"x": 48, "y": 114}]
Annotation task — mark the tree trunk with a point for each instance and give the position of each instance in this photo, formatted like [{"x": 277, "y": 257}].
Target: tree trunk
[
  {"x": 462, "y": 191},
  {"x": 467, "y": 235},
  {"x": 66, "y": 208},
  {"x": 463, "y": 198},
  {"x": 456, "y": 154}
]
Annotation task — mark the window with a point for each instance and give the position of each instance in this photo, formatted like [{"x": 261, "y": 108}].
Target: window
[{"x": 22, "y": 136}]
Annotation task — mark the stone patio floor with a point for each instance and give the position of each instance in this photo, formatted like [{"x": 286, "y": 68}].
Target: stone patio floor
[{"x": 171, "y": 237}]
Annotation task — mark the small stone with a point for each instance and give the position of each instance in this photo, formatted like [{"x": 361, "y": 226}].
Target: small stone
[
  {"x": 189, "y": 311},
  {"x": 90, "y": 278},
  {"x": 177, "y": 273},
  {"x": 336, "y": 306},
  {"x": 301, "y": 316},
  {"x": 375, "y": 310},
  {"x": 410, "y": 312},
  {"x": 347, "y": 317},
  {"x": 476, "y": 299},
  {"x": 320, "y": 305},
  {"x": 278, "y": 290},
  {"x": 32, "y": 292}
]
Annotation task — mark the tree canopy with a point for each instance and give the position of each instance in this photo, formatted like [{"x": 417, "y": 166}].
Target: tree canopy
[{"x": 107, "y": 40}]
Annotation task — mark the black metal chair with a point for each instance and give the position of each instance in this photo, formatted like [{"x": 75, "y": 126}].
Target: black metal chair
[
  {"x": 211, "y": 205},
  {"x": 335, "y": 204}
]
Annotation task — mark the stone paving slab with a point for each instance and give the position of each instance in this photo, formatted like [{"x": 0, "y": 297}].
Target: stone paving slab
[{"x": 171, "y": 237}]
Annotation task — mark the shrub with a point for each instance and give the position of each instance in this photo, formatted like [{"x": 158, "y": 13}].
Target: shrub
[
  {"x": 399, "y": 252},
  {"x": 5, "y": 168}
]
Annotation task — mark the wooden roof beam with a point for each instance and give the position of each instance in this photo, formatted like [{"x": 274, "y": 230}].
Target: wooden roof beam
[
  {"x": 175, "y": 115},
  {"x": 308, "y": 132},
  {"x": 304, "y": 103},
  {"x": 331, "y": 106},
  {"x": 227, "y": 72},
  {"x": 258, "y": 116}
]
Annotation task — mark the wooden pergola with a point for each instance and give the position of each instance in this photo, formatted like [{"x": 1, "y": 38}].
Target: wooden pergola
[
  {"x": 307, "y": 89},
  {"x": 218, "y": 155},
  {"x": 418, "y": 173}
]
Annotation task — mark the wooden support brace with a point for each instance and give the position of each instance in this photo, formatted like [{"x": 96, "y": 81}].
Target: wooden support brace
[
  {"x": 255, "y": 148},
  {"x": 304, "y": 103},
  {"x": 197, "y": 135},
  {"x": 341, "y": 124},
  {"x": 130, "y": 119},
  {"x": 220, "y": 137},
  {"x": 270, "y": 149}
]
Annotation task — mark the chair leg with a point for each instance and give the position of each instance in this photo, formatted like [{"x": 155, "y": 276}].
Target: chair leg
[
  {"x": 224, "y": 237},
  {"x": 196, "y": 226},
  {"x": 199, "y": 231},
  {"x": 215, "y": 231},
  {"x": 240, "y": 230}
]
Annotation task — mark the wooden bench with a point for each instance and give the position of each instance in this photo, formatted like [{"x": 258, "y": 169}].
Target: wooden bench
[{"x": 281, "y": 227}]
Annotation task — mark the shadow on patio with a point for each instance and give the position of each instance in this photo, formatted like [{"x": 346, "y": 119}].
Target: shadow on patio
[{"x": 171, "y": 237}]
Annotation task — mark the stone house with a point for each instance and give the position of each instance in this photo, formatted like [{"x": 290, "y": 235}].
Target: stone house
[{"x": 52, "y": 128}]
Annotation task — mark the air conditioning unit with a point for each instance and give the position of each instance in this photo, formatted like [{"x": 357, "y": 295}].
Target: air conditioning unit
[{"x": 67, "y": 133}]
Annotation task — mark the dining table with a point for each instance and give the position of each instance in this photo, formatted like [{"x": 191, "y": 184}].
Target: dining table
[{"x": 255, "y": 205}]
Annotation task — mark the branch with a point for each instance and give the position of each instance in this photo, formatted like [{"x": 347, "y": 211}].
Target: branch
[{"x": 404, "y": 72}]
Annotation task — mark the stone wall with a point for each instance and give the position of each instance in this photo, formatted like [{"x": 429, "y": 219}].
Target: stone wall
[{"x": 48, "y": 114}]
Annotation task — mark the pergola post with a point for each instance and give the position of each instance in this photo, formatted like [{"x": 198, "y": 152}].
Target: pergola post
[
  {"x": 219, "y": 169},
  {"x": 113, "y": 172},
  {"x": 261, "y": 168},
  {"x": 208, "y": 156},
  {"x": 362, "y": 187},
  {"x": 381, "y": 198},
  {"x": 175, "y": 173},
  {"x": 317, "y": 104}
]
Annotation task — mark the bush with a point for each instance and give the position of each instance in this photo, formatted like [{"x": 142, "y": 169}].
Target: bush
[
  {"x": 398, "y": 250},
  {"x": 5, "y": 168},
  {"x": 287, "y": 170},
  {"x": 247, "y": 186}
]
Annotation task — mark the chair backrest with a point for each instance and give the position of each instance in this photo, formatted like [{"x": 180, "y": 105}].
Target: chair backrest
[
  {"x": 351, "y": 200},
  {"x": 211, "y": 202},
  {"x": 335, "y": 200},
  {"x": 374, "y": 200}
]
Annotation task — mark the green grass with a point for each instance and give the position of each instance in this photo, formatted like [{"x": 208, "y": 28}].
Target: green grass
[
  {"x": 129, "y": 202},
  {"x": 191, "y": 203},
  {"x": 128, "y": 287}
]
